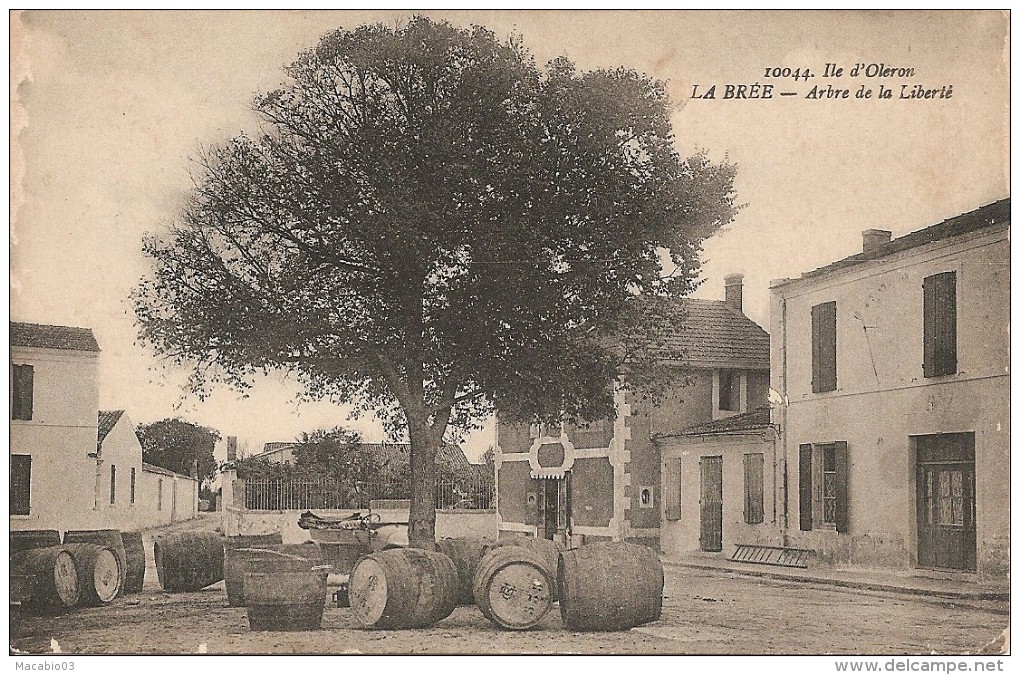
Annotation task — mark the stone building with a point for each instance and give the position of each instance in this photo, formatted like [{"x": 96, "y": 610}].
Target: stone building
[
  {"x": 601, "y": 481},
  {"x": 893, "y": 370}
]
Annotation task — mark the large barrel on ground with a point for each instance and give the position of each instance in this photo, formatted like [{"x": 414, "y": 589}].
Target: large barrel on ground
[
  {"x": 466, "y": 553},
  {"x": 188, "y": 561},
  {"x": 53, "y": 574},
  {"x": 134, "y": 552},
  {"x": 99, "y": 573},
  {"x": 111, "y": 538},
  {"x": 512, "y": 587},
  {"x": 234, "y": 563},
  {"x": 403, "y": 588},
  {"x": 342, "y": 548},
  {"x": 283, "y": 592},
  {"x": 547, "y": 549},
  {"x": 609, "y": 586},
  {"x": 25, "y": 540}
]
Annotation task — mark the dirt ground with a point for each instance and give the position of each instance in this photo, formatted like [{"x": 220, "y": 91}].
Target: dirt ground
[{"x": 704, "y": 612}]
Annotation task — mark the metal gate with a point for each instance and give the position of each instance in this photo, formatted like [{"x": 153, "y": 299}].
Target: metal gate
[
  {"x": 946, "y": 526},
  {"x": 711, "y": 503}
]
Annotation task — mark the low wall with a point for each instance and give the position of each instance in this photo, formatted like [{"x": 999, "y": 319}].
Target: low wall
[{"x": 449, "y": 523}]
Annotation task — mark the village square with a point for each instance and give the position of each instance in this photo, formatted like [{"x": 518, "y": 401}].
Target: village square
[{"x": 439, "y": 342}]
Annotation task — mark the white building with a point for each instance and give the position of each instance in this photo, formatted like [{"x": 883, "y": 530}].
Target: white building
[{"x": 73, "y": 466}]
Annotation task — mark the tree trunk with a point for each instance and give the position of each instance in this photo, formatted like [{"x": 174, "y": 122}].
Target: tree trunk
[{"x": 421, "y": 532}]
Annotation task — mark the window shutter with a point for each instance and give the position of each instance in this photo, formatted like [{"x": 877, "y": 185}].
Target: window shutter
[
  {"x": 816, "y": 351},
  {"x": 939, "y": 324},
  {"x": 930, "y": 329},
  {"x": 21, "y": 485},
  {"x": 23, "y": 385},
  {"x": 823, "y": 347},
  {"x": 945, "y": 351},
  {"x": 754, "y": 501},
  {"x": 842, "y": 488},
  {"x": 805, "y": 487},
  {"x": 671, "y": 488}
]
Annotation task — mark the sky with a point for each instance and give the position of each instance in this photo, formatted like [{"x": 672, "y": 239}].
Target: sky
[{"x": 109, "y": 108}]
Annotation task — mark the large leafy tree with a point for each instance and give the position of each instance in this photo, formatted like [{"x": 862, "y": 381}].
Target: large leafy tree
[
  {"x": 434, "y": 226},
  {"x": 177, "y": 445}
]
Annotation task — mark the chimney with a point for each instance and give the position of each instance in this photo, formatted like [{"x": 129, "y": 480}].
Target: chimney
[
  {"x": 231, "y": 448},
  {"x": 875, "y": 239},
  {"x": 735, "y": 291}
]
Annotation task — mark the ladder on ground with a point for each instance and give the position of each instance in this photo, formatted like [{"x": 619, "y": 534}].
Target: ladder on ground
[{"x": 771, "y": 555}]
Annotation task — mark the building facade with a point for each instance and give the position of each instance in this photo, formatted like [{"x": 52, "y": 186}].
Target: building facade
[
  {"x": 719, "y": 486},
  {"x": 72, "y": 465},
  {"x": 601, "y": 481},
  {"x": 893, "y": 370}
]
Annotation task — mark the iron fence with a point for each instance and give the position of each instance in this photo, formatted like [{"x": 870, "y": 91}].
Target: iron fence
[{"x": 279, "y": 494}]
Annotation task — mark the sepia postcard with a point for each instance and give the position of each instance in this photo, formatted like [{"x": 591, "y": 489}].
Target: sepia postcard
[{"x": 393, "y": 332}]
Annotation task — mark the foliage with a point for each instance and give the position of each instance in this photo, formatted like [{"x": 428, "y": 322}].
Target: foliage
[
  {"x": 175, "y": 444},
  {"x": 434, "y": 227}
]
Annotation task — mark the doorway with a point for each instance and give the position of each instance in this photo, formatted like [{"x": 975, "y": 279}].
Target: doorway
[
  {"x": 711, "y": 503},
  {"x": 554, "y": 508},
  {"x": 946, "y": 523}
]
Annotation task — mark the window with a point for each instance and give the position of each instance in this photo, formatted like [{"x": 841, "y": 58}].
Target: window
[
  {"x": 729, "y": 389},
  {"x": 21, "y": 485},
  {"x": 823, "y": 347},
  {"x": 159, "y": 495},
  {"x": 21, "y": 390},
  {"x": 671, "y": 488},
  {"x": 754, "y": 488},
  {"x": 939, "y": 324},
  {"x": 113, "y": 483},
  {"x": 824, "y": 486},
  {"x": 133, "y": 485}
]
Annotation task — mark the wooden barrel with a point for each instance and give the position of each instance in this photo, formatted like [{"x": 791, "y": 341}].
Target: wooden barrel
[
  {"x": 283, "y": 592},
  {"x": 99, "y": 573},
  {"x": 466, "y": 553},
  {"x": 403, "y": 588},
  {"x": 134, "y": 551},
  {"x": 53, "y": 574},
  {"x": 547, "y": 549},
  {"x": 512, "y": 587},
  {"x": 111, "y": 538},
  {"x": 233, "y": 564},
  {"x": 609, "y": 586},
  {"x": 188, "y": 561},
  {"x": 342, "y": 556},
  {"x": 26, "y": 540}
]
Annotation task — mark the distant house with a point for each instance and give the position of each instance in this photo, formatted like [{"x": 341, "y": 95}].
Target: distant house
[
  {"x": 131, "y": 493},
  {"x": 277, "y": 452},
  {"x": 893, "y": 370},
  {"x": 395, "y": 458},
  {"x": 602, "y": 480},
  {"x": 72, "y": 466}
]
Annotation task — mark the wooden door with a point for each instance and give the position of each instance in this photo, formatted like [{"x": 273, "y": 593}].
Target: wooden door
[
  {"x": 946, "y": 527},
  {"x": 550, "y": 508},
  {"x": 711, "y": 503}
]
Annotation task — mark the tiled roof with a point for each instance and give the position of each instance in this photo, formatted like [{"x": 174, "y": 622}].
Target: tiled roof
[
  {"x": 400, "y": 453},
  {"x": 53, "y": 337},
  {"x": 716, "y": 335},
  {"x": 274, "y": 446},
  {"x": 749, "y": 421},
  {"x": 152, "y": 468},
  {"x": 986, "y": 216},
  {"x": 107, "y": 421}
]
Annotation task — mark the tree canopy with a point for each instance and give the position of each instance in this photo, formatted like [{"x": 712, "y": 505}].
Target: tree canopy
[
  {"x": 175, "y": 444},
  {"x": 432, "y": 226}
]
